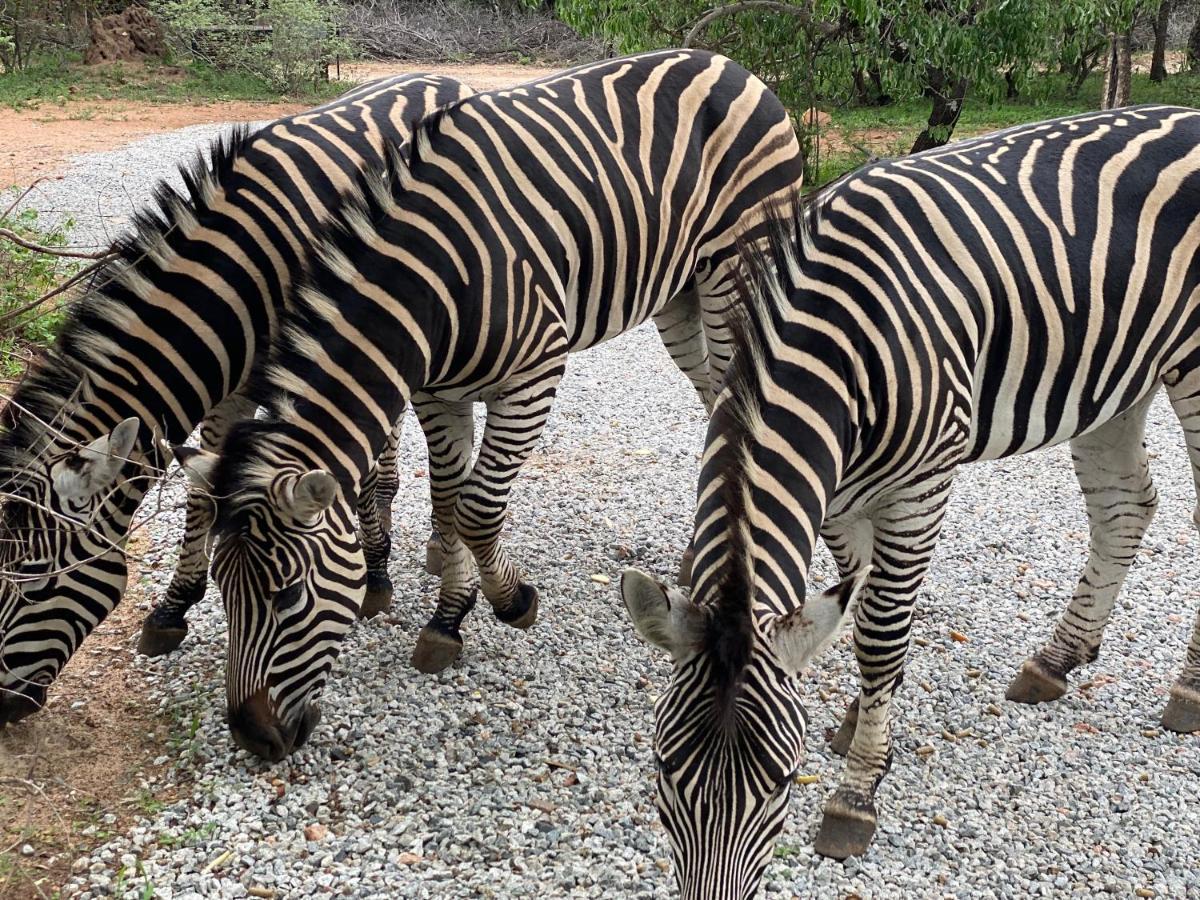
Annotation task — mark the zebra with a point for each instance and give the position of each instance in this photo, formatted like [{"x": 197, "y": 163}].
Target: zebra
[
  {"x": 167, "y": 338},
  {"x": 529, "y": 223},
  {"x": 976, "y": 301}
]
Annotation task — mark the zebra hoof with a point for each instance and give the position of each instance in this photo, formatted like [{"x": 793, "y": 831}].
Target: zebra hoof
[
  {"x": 1035, "y": 684},
  {"x": 1182, "y": 714},
  {"x": 434, "y": 556},
  {"x": 378, "y": 597},
  {"x": 435, "y": 650},
  {"x": 158, "y": 639},
  {"x": 685, "y": 567},
  {"x": 846, "y": 828},
  {"x": 523, "y": 611}
]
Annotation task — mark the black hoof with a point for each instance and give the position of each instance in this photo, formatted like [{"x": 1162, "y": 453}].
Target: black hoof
[
  {"x": 522, "y": 612},
  {"x": 434, "y": 556},
  {"x": 436, "y": 649},
  {"x": 846, "y": 829},
  {"x": 379, "y": 595},
  {"x": 845, "y": 735},
  {"x": 161, "y": 635}
]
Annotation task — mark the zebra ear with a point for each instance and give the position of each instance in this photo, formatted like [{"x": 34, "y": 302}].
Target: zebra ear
[
  {"x": 800, "y": 636},
  {"x": 671, "y": 622},
  {"x": 312, "y": 494},
  {"x": 198, "y": 465},
  {"x": 96, "y": 466}
]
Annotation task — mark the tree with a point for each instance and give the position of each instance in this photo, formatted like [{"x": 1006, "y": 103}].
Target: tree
[{"x": 1158, "y": 62}]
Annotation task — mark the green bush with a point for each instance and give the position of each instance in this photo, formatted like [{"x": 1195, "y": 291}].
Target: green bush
[{"x": 26, "y": 275}]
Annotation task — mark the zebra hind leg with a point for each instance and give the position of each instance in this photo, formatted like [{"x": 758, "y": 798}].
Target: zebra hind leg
[
  {"x": 449, "y": 433},
  {"x": 1182, "y": 713},
  {"x": 166, "y": 626},
  {"x": 1114, "y": 474},
  {"x": 882, "y": 623}
]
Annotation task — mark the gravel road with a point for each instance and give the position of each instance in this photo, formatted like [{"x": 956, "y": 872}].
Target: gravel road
[{"x": 524, "y": 771}]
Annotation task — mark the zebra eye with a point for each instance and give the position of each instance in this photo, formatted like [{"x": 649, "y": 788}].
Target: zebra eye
[{"x": 288, "y": 596}]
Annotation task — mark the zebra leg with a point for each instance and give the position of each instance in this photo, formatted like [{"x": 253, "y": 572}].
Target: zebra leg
[
  {"x": 850, "y": 543},
  {"x": 681, "y": 327},
  {"x": 450, "y": 435},
  {"x": 905, "y": 534},
  {"x": 515, "y": 423},
  {"x": 1111, "y": 465},
  {"x": 375, "y": 525},
  {"x": 165, "y": 628},
  {"x": 1182, "y": 713}
]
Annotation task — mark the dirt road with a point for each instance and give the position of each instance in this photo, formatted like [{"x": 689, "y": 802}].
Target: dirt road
[{"x": 36, "y": 143}]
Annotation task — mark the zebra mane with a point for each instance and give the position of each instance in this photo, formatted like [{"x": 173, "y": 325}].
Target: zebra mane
[
  {"x": 754, "y": 318},
  {"x": 59, "y": 376}
]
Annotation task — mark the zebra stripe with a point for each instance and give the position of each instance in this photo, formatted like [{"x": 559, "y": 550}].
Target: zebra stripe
[
  {"x": 988, "y": 298},
  {"x": 167, "y": 336},
  {"x": 531, "y": 223}
]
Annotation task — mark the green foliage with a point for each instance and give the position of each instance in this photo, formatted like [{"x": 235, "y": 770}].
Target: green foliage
[
  {"x": 25, "y": 275},
  {"x": 286, "y": 43},
  {"x": 840, "y": 53}
]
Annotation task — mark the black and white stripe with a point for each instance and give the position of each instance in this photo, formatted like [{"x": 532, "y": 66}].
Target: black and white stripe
[
  {"x": 531, "y": 223},
  {"x": 168, "y": 336},
  {"x": 988, "y": 298}
]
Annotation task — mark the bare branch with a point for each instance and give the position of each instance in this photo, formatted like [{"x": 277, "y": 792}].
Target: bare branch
[
  {"x": 21, "y": 196},
  {"x": 803, "y": 13},
  {"x": 49, "y": 295},
  {"x": 52, "y": 251}
]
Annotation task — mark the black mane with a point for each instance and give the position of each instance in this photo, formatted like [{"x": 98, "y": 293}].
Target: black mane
[
  {"x": 754, "y": 316},
  {"x": 55, "y": 379}
]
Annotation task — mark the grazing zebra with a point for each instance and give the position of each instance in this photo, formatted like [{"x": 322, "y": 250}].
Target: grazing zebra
[
  {"x": 531, "y": 222},
  {"x": 167, "y": 337},
  {"x": 976, "y": 301}
]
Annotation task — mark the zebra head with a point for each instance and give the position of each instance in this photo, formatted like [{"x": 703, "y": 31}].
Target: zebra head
[
  {"x": 63, "y": 527},
  {"x": 292, "y": 577},
  {"x": 729, "y": 729}
]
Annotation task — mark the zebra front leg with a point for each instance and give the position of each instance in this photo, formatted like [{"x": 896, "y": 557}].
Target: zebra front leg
[
  {"x": 881, "y": 639},
  {"x": 166, "y": 626},
  {"x": 450, "y": 435},
  {"x": 375, "y": 524},
  {"x": 851, "y": 544},
  {"x": 681, "y": 327},
  {"x": 515, "y": 421},
  {"x": 1114, "y": 474},
  {"x": 1182, "y": 713}
]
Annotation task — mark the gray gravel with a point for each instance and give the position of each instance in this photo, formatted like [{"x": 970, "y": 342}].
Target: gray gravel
[{"x": 525, "y": 769}]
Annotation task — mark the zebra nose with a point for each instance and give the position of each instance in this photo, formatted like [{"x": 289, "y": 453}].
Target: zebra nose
[
  {"x": 257, "y": 729},
  {"x": 15, "y": 705}
]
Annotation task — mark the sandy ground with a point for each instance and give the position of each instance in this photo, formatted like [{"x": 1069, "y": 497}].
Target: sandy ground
[{"x": 36, "y": 143}]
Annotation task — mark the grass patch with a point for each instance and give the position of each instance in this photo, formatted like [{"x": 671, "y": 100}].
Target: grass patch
[
  {"x": 855, "y": 133},
  {"x": 52, "y": 82}
]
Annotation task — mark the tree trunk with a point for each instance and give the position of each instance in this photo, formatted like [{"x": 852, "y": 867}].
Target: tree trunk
[
  {"x": 947, "y": 94},
  {"x": 1117, "y": 74},
  {"x": 1158, "y": 62},
  {"x": 1193, "y": 47}
]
